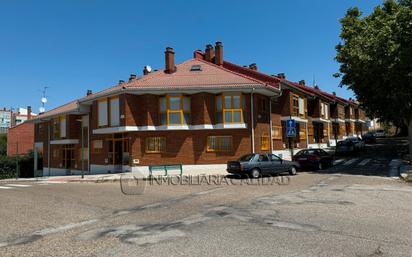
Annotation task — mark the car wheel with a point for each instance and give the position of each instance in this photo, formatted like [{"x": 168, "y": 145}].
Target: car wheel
[
  {"x": 292, "y": 171},
  {"x": 255, "y": 173},
  {"x": 320, "y": 166}
]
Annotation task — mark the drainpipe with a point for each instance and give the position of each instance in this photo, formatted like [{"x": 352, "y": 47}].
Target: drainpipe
[
  {"x": 48, "y": 148},
  {"x": 307, "y": 133},
  {"x": 270, "y": 124},
  {"x": 252, "y": 122}
]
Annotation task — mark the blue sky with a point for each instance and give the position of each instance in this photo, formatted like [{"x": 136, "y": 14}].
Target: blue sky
[{"x": 72, "y": 46}]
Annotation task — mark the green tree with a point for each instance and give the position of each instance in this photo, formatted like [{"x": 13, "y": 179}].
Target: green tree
[
  {"x": 375, "y": 57},
  {"x": 3, "y": 144}
]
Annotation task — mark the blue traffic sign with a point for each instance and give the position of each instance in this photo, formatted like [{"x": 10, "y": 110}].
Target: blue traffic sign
[{"x": 291, "y": 128}]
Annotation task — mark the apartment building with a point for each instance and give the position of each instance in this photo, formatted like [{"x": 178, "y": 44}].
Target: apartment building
[{"x": 202, "y": 111}]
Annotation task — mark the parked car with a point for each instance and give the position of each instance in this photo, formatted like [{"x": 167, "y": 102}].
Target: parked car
[
  {"x": 369, "y": 138},
  {"x": 313, "y": 158},
  {"x": 380, "y": 133},
  {"x": 358, "y": 143},
  {"x": 345, "y": 147},
  {"x": 258, "y": 164}
]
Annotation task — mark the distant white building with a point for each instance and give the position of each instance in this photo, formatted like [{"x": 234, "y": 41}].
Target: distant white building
[
  {"x": 9, "y": 119},
  {"x": 373, "y": 124},
  {"x": 21, "y": 115}
]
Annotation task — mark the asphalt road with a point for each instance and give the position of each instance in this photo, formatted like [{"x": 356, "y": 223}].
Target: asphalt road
[{"x": 315, "y": 214}]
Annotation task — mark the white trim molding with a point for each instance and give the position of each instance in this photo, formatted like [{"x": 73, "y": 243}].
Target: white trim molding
[
  {"x": 350, "y": 120},
  {"x": 294, "y": 118},
  {"x": 64, "y": 142},
  {"x": 170, "y": 127},
  {"x": 338, "y": 121},
  {"x": 320, "y": 120}
]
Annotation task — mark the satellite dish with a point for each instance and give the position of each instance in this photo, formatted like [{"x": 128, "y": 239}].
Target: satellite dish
[
  {"x": 41, "y": 109},
  {"x": 148, "y": 68},
  {"x": 44, "y": 100}
]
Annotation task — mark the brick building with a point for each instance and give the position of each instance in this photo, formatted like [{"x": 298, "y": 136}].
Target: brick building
[{"x": 202, "y": 111}]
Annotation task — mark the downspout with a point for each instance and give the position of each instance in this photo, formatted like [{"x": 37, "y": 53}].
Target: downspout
[
  {"x": 270, "y": 124},
  {"x": 252, "y": 122},
  {"x": 48, "y": 148}
]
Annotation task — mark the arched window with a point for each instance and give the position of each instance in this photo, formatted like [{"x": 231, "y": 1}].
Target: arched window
[{"x": 174, "y": 110}]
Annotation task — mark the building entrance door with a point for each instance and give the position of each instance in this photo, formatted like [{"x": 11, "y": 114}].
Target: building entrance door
[{"x": 118, "y": 152}]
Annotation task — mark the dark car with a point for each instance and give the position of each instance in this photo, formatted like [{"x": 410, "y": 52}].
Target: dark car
[
  {"x": 256, "y": 165},
  {"x": 345, "y": 147},
  {"x": 369, "y": 138},
  {"x": 313, "y": 158}
]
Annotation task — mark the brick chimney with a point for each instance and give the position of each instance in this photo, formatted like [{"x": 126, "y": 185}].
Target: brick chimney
[
  {"x": 316, "y": 87},
  {"x": 121, "y": 82},
  {"x": 132, "y": 77},
  {"x": 28, "y": 112},
  {"x": 89, "y": 92},
  {"x": 334, "y": 93},
  {"x": 281, "y": 75},
  {"x": 169, "y": 60},
  {"x": 219, "y": 53},
  {"x": 253, "y": 66},
  {"x": 209, "y": 53},
  {"x": 302, "y": 82},
  {"x": 198, "y": 54}
]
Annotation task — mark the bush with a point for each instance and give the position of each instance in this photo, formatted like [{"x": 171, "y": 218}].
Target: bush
[{"x": 8, "y": 166}]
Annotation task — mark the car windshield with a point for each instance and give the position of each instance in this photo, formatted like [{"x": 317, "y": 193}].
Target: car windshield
[{"x": 246, "y": 158}]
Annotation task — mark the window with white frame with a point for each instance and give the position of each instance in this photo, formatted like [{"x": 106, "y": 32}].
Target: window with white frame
[
  {"x": 114, "y": 112},
  {"x": 108, "y": 112}
]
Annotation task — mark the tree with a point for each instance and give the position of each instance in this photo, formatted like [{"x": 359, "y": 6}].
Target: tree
[
  {"x": 375, "y": 58},
  {"x": 3, "y": 144}
]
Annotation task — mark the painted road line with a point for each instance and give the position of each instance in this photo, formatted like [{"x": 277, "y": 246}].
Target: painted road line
[
  {"x": 350, "y": 161},
  {"x": 364, "y": 162},
  {"x": 2, "y": 187},
  {"x": 336, "y": 162},
  {"x": 17, "y": 185}
]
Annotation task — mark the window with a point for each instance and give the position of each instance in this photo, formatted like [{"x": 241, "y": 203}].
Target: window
[
  {"x": 324, "y": 110},
  {"x": 263, "y": 158},
  {"x": 264, "y": 143},
  {"x": 174, "y": 110},
  {"x": 59, "y": 127},
  {"x": 229, "y": 108},
  {"x": 263, "y": 105},
  {"x": 301, "y": 107},
  {"x": 302, "y": 133},
  {"x": 276, "y": 132},
  {"x": 295, "y": 105},
  {"x": 56, "y": 153},
  {"x": 196, "y": 67},
  {"x": 114, "y": 112},
  {"x": 102, "y": 113},
  {"x": 97, "y": 146},
  {"x": 155, "y": 144},
  {"x": 219, "y": 144},
  {"x": 273, "y": 157}
]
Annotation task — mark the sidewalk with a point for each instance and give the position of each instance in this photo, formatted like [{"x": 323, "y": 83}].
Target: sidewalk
[{"x": 110, "y": 178}]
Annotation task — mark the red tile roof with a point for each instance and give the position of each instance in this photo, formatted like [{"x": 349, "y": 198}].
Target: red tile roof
[{"x": 61, "y": 110}]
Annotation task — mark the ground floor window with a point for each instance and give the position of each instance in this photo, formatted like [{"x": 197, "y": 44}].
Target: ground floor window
[
  {"x": 219, "y": 144},
  {"x": 276, "y": 132},
  {"x": 264, "y": 143},
  {"x": 155, "y": 144},
  {"x": 319, "y": 132}
]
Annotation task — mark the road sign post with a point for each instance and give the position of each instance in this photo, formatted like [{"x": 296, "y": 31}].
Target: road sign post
[{"x": 291, "y": 133}]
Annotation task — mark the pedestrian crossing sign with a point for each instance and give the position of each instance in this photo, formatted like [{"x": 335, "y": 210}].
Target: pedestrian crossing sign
[{"x": 291, "y": 128}]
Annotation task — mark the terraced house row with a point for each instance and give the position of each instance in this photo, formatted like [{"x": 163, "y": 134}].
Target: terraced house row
[{"x": 205, "y": 110}]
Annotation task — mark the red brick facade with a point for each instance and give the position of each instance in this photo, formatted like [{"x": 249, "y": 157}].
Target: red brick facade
[{"x": 20, "y": 139}]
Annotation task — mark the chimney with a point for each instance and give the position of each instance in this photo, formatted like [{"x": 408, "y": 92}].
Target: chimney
[
  {"x": 89, "y": 92},
  {"x": 316, "y": 87},
  {"x": 132, "y": 77},
  {"x": 334, "y": 93},
  {"x": 145, "y": 71},
  {"x": 209, "y": 53},
  {"x": 121, "y": 82},
  {"x": 253, "y": 66},
  {"x": 281, "y": 75},
  {"x": 219, "y": 53},
  {"x": 302, "y": 82},
  {"x": 198, "y": 54},
  {"x": 169, "y": 60},
  {"x": 28, "y": 112}
]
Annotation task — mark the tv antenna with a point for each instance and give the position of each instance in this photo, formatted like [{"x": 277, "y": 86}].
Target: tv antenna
[{"x": 43, "y": 100}]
